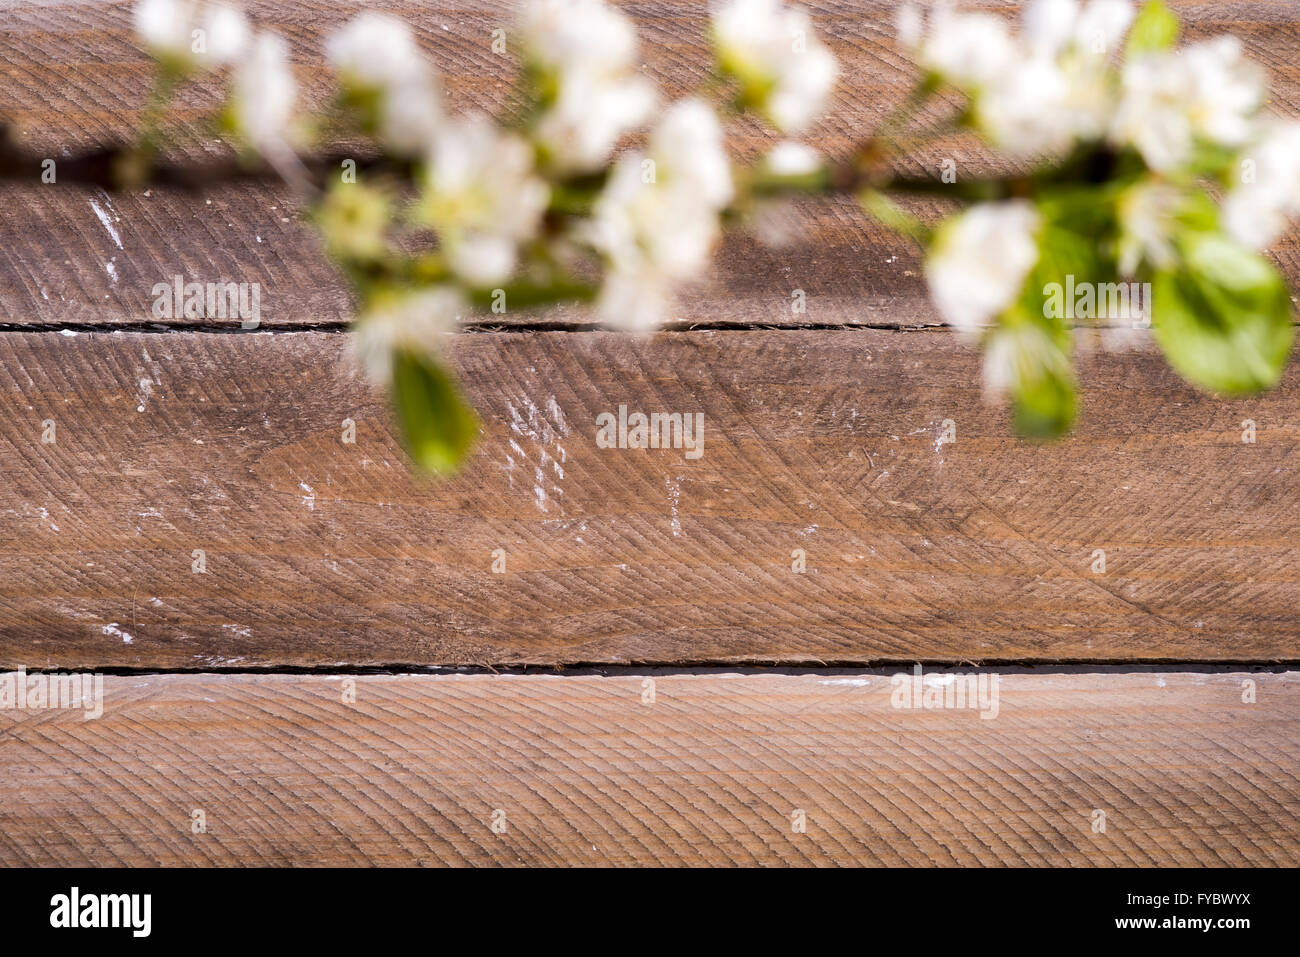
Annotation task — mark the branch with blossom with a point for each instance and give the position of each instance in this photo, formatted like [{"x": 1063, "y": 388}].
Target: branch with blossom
[{"x": 1146, "y": 163}]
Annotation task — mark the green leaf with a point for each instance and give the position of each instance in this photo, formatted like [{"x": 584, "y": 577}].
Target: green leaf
[
  {"x": 437, "y": 426},
  {"x": 1045, "y": 403},
  {"x": 1223, "y": 320},
  {"x": 1024, "y": 359},
  {"x": 1154, "y": 30}
]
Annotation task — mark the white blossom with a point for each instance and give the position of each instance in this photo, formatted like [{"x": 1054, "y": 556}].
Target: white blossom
[
  {"x": 414, "y": 321},
  {"x": 1101, "y": 26},
  {"x": 968, "y": 50},
  {"x": 410, "y": 114},
  {"x": 191, "y": 32},
  {"x": 226, "y": 33},
  {"x": 1048, "y": 25},
  {"x": 262, "y": 94},
  {"x": 590, "y": 112},
  {"x": 778, "y": 59},
  {"x": 688, "y": 152},
  {"x": 482, "y": 196},
  {"x": 909, "y": 24},
  {"x": 1036, "y": 91},
  {"x": 587, "y": 35},
  {"x": 978, "y": 262},
  {"x": 656, "y": 221},
  {"x": 790, "y": 158},
  {"x": 1026, "y": 110},
  {"x": 585, "y": 53},
  {"x": 1206, "y": 91},
  {"x": 164, "y": 26},
  {"x": 374, "y": 51},
  {"x": 1267, "y": 191},
  {"x": 1146, "y": 225},
  {"x": 376, "y": 54}
]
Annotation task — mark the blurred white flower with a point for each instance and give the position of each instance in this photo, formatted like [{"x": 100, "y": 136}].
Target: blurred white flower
[
  {"x": 979, "y": 260},
  {"x": 415, "y": 321},
  {"x": 1267, "y": 191},
  {"x": 781, "y": 64},
  {"x": 164, "y": 26},
  {"x": 226, "y": 33},
  {"x": 1101, "y": 26},
  {"x": 374, "y": 51},
  {"x": 410, "y": 114},
  {"x": 482, "y": 196},
  {"x": 789, "y": 158},
  {"x": 656, "y": 221},
  {"x": 688, "y": 153},
  {"x": 586, "y": 35},
  {"x": 262, "y": 95},
  {"x": 376, "y": 54},
  {"x": 590, "y": 112},
  {"x": 968, "y": 50},
  {"x": 909, "y": 25},
  {"x": 190, "y": 32},
  {"x": 1047, "y": 25},
  {"x": 1018, "y": 355},
  {"x": 1026, "y": 110},
  {"x": 1036, "y": 91},
  {"x": 1146, "y": 226},
  {"x": 584, "y": 53},
  {"x": 1206, "y": 91}
]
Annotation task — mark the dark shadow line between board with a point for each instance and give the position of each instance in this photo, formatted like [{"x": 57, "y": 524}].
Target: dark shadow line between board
[
  {"x": 337, "y": 326},
  {"x": 685, "y": 669}
]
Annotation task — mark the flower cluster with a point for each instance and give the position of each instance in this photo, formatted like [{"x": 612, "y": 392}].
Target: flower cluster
[
  {"x": 526, "y": 208},
  {"x": 1132, "y": 146},
  {"x": 1146, "y": 163}
]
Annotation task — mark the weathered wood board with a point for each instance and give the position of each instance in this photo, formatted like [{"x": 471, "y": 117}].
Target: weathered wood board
[
  {"x": 828, "y": 443},
  {"x": 1115, "y": 770},
  {"x": 176, "y": 497}
]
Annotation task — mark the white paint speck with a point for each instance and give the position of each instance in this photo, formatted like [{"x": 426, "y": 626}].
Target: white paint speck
[
  {"x": 310, "y": 498},
  {"x": 116, "y": 631},
  {"x": 674, "y": 499},
  {"x": 106, "y": 221}
]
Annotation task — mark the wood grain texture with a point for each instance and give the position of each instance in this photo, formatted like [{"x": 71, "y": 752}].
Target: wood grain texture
[
  {"x": 285, "y": 773},
  {"x": 830, "y": 442},
  {"x": 72, "y": 77}
]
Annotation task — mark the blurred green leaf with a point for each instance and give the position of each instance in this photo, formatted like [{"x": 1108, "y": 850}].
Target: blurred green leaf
[
  {"x": 1155, "y": 29},
  {"x": 1034, "y": 367},
  {"x": 437, "y": 426},
  {"x": 1224, "y": 318},
  {"x": 1073, "y": 241},
  {"x": 1045, "y": 401}
]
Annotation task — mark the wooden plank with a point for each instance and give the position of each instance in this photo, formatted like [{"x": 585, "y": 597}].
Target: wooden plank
[
  {"x": 830, "y": 442},
  {"x": 585, "y": 772},
  {"x": 73, "y": 79}
]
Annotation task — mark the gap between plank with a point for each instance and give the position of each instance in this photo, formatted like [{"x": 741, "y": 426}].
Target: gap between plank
[
  {"x": 819, "y": 669},
  {"x": 154, "y": 328}
]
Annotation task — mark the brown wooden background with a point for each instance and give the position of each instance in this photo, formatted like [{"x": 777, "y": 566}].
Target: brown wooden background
[{"x": 822, "y": 434}]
